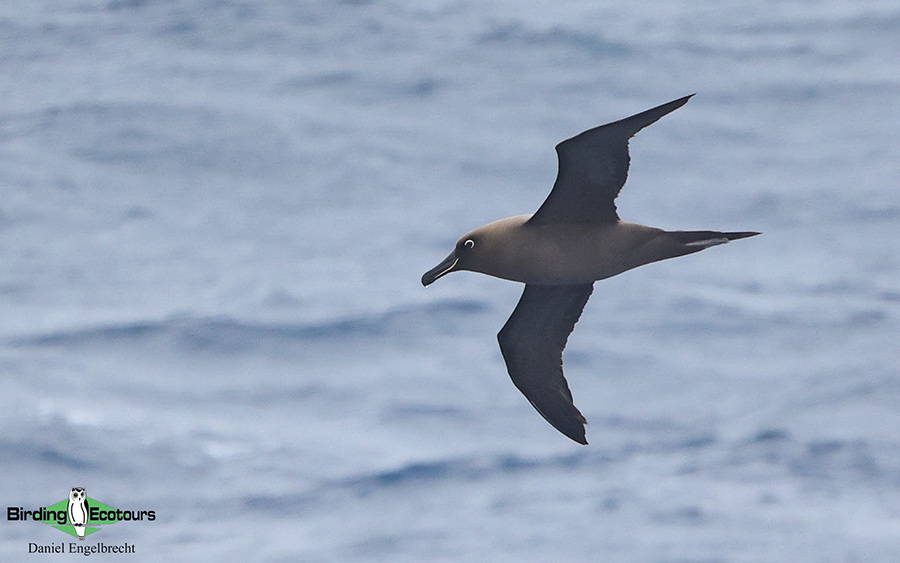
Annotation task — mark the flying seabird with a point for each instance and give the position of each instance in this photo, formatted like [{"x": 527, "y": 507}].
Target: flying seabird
[{"x": 574, "y": 239}]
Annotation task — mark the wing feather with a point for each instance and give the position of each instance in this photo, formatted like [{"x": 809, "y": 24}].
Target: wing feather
[
  {"x": 593, "y": 167},
  {"x": 532, "y": 343}
]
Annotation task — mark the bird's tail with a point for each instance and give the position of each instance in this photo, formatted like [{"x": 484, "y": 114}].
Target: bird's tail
[{"x": 704, "y": 239}]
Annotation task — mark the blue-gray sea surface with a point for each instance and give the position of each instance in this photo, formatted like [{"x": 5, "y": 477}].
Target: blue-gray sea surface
[{"x": 214, "y": 217}]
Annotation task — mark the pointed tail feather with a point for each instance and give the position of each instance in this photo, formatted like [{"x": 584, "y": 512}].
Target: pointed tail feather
[
  {"x": 744, "y": 234},
  {"x": 705, "y": 239}
]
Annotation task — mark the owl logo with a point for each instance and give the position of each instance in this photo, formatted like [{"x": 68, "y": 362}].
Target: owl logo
[{"x": 78, "y": 509}]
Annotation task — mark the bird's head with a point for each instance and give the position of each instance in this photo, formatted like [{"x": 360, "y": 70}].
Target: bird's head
[
  {"x": 464, "y": 257},
  {"x": 489, "y": 249}
]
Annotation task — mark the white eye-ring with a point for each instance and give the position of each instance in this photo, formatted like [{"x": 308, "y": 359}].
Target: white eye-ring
[{"x": 469, "y": 243}]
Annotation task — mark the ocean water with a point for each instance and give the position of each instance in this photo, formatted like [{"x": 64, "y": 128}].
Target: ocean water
[{"x": 213, "y": 221}]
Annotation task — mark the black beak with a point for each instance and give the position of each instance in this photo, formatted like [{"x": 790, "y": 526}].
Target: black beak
[{"x": 445, "y": 267}]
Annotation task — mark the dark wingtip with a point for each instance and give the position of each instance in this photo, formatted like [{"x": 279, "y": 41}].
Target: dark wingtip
[
  {"x": 576, "y": 435},
  {"x": 576, "y": 432},
  {"x": 573, "y": 430},
  {"x": 638, "y": 121},
  {"x": 680, "y": 101}
]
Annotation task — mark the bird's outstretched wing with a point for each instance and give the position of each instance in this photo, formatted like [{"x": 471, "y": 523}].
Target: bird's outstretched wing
[
  {"x": 593, "y": 167},
  {"x": 532, "y": 343}
]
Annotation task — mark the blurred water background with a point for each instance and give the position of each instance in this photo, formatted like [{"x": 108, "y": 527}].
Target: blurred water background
[{"x": 213, "y": 220}]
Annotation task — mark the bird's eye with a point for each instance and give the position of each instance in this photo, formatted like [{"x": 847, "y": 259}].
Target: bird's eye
[{"x": 469, "y": 243}]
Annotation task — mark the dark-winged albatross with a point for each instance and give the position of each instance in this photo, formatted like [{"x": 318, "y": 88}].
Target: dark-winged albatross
[{"x": 574, "y": 239}]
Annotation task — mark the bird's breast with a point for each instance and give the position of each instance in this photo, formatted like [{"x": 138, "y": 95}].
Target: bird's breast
[{"x": 564, "y": 254}]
